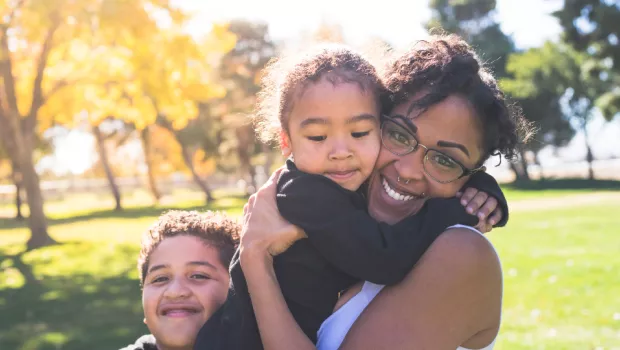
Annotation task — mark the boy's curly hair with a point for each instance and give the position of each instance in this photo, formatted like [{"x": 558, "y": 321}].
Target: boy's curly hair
[
  {"x": 213, "y": 228},
  {"x": 445, "y": 65},
  {"x": 285, "y": 78}
]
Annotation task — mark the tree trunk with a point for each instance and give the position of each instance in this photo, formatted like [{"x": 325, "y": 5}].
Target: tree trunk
[
  {"x": 537, "y": 162},
  {"x": 244, "y": 140},
  {"x": 589, "y": 155},
  {"x": 187, "y": 158},
  {"x": 17, "y": 180},
  {"x": 520, "y": 168},
  {"x": 145, "y": 136},
  {"x": 523, "y": 161},
  {"x": 103, "y": 156},
  {"x": 37, "y": 220}
]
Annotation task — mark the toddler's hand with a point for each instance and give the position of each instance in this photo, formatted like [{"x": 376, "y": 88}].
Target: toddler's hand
[{"x": 483, "y": 206}]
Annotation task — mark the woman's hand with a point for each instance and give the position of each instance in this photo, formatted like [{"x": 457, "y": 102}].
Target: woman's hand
[
  {"x": 483, "y": 206},
  {"x": 265, "y": 232}
]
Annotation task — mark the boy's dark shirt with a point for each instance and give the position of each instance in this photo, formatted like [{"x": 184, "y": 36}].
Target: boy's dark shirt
[
  {"x": 344, "y": 245},
  {"x": 145, "y": 342}
]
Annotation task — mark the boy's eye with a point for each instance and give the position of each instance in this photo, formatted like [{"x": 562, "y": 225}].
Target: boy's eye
[
  {"x": 159, "y": 279},
  {"x": 200, "y": 276},
  {"x": 359, "y": 135},
  {"x": 317, "y": 138}
]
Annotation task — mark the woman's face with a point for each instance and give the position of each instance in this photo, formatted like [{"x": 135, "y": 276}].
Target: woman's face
[{"x": 450, "y": 127}]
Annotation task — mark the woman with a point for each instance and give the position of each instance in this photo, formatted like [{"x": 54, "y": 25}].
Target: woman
[{"x": 448, "y": 117}]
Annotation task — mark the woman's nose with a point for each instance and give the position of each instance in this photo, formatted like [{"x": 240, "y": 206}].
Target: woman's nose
[{"x": 411, "y": 166}]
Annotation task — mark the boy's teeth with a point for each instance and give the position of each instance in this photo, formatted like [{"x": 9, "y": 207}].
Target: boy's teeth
[{"x": 393, "y": 194}]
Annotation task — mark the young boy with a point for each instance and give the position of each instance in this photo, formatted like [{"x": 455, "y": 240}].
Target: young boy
[{"x": 183, "y": 267}]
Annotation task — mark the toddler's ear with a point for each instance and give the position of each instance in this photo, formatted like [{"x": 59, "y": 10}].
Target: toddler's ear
[
  {"x": 285, "y": 144},
  {"x": 144, "y": 320}
]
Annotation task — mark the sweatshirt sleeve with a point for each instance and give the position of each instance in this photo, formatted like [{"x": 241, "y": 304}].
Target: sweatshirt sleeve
[{"x": 339, "y": 227}]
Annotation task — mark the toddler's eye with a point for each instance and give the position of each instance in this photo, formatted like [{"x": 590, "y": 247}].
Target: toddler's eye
[
  {"x": 358, "y": 135},
  {"x": 317, "y": 138}
]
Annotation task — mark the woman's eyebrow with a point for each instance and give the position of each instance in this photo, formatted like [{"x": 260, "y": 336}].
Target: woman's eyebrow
[
  {"x": 442, "y": 143},
  {"x": 407, "y": 122}
]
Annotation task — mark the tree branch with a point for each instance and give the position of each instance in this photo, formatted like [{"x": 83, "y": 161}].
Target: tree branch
[
  {"x": 6, "y": 70},
  {"x": 37, "y": 91}
]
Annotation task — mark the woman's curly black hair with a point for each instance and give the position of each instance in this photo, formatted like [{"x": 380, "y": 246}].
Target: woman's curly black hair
[{"x": 445, "y": 65}]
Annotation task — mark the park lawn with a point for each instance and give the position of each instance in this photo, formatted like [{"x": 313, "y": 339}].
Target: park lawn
[{"x": 560, "y": 266}]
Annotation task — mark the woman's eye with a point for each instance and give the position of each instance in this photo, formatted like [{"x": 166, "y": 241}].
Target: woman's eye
[
  {"x": 444, "y": 161},
  {"x": 399, "y": 137},
  {"x": 359, "y": 135},
  {"x": 317, "y": 138}
]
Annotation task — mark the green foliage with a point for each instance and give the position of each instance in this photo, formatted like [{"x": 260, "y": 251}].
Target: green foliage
[
  {"x": 591, "y": 26},
  {"x": 474, "y": 20}
]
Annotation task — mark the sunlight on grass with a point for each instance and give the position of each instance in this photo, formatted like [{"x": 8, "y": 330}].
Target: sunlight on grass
[{"x": 561, "y": 280}]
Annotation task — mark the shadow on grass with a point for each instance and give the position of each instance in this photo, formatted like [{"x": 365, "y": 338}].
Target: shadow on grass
[
  {"x": 69, "y": 305},
  {"x": 223, "y": 204},
  {"x": 565, "y": 184}
]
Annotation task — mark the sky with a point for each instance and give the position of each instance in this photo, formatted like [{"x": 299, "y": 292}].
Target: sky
[{"x": 398, "y": 22}]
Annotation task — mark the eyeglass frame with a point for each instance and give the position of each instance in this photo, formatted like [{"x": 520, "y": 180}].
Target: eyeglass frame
[{"x": 466, "y": 171}]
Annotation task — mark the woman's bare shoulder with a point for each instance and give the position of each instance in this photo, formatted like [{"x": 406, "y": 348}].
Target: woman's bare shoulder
[{"x": 452, "y": 297}]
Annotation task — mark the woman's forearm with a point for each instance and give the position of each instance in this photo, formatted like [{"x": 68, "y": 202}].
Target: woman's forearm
[{"x": 276, "y": 324}]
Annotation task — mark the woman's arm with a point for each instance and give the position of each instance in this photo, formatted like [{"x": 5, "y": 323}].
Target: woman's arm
[
  {"x": 278, "y": 328},
  {"x": 451, "y": 298}
]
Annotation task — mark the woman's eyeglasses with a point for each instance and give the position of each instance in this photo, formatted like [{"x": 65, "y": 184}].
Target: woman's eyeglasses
[{"x": 439, "y": 166}]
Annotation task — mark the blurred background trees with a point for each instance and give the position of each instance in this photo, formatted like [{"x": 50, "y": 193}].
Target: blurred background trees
[{"x": 155, "y": 106}]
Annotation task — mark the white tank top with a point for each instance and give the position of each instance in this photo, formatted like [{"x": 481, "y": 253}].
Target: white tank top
[{"x": 335, "y": 327}]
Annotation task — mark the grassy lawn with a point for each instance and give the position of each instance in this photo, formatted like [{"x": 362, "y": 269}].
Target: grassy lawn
[{"x": 560, "y": 266}]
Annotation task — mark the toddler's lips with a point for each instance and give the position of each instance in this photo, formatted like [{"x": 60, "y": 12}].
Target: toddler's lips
[{"x": 341, "y": 175}]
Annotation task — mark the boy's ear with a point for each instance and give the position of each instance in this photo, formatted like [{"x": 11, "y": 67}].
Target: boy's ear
[
  {"x": 144, "y": 320},
  {"x": 285, "y": 144}
]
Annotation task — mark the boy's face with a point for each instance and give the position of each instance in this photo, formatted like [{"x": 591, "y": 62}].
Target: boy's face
[
  {"x": 333, "y": 130},
  {"x": 184, "y": 285}
]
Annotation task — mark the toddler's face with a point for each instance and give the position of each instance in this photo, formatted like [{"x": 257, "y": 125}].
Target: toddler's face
[{"x": 333, "y": 130}]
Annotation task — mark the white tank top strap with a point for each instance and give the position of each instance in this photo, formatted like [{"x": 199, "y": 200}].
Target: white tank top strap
[{"x": 337, "y": 325}]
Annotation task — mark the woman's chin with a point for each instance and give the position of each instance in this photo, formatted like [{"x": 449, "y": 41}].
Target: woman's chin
[{"x": 384, "y": 208}]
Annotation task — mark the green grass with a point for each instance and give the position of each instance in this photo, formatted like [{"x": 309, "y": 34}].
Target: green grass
[{"x": 561, "y": 279}]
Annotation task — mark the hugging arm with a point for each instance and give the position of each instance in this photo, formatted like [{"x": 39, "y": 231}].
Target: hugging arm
[{"x": 338, "y": 225}]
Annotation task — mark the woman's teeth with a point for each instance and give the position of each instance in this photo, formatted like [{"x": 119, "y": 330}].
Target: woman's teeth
[{"x": 395, "y": 195}]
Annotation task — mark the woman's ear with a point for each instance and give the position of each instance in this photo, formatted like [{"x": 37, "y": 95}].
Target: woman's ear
[{"x": 285, "y": 144}]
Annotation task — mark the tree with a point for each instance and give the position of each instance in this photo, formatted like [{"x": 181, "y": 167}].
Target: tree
[
  {"x": 474, "y": 21},
  {"x": 175, "y": 78},
  {"x": 591, "y": 26},
  {"x": 554, "y": 86},
  {"x": 240, "y": 71},
  {"x": 47, "y": 50},
  {"x": 15, "y": 177}
]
